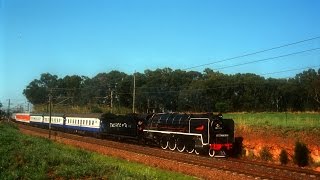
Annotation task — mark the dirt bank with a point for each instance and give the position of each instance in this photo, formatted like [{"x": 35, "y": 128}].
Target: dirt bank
[{"x": 254, "y": 139}]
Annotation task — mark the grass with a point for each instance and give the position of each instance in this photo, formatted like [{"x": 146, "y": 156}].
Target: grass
[
  {"x": 26, "y": 157},
  {"x": 295, "y": 121}
]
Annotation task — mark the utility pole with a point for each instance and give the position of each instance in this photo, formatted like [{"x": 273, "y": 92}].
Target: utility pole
[
  {"x": 134, "y": 93},
  {"x": 50, "y": 112},
  {"x": 8, "y": 111},
  {"x": 111, "y": 100}
]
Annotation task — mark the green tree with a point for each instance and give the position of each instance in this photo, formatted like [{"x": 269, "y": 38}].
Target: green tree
[
  {"x": 2, "y": 113},
  {"x": 71, "y": 89}
]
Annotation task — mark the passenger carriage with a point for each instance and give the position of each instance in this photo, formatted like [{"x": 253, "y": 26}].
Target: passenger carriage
[{"x": 22, "y": 117}]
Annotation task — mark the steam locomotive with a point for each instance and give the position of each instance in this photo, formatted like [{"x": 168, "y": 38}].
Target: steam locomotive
[{"x": 198, "y": 133}]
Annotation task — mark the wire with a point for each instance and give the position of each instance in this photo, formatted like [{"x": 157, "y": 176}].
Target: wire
[
  {"x": 250, "y": 54},
  {"x": 267, "y": 59},
  {"x": 309, "y": 67}
]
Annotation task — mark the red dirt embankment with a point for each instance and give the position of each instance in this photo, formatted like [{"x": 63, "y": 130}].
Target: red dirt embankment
[{"x": 255, "y": 139}]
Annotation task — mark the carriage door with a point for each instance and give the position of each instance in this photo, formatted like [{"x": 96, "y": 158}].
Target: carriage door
[{"x": 64, "y": 120}]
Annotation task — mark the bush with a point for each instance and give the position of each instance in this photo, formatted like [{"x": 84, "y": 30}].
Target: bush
[
  {"x": 265, "y": 154},
  {"x": 222, "y": 107},
  {"x": 301, "y": 154},
  {"x": 96, "y": 109},
  {"x": 251, "y": 154},
  {"x": 283, "y": 157}
]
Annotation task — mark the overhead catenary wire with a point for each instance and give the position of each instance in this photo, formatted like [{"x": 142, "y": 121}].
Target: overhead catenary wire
[
  {"x": 254, "y": 53},
  {"x": 267, "y": 59},
  {"x": 289, "y": 70}
]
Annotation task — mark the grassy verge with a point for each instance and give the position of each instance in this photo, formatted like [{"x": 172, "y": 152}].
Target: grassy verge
[
  {"x": 294, "y": 121},
  {"x": 26, "y": 157}
]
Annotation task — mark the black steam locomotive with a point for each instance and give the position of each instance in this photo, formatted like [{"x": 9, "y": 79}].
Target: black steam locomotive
[{"x": 199, "y": 133}]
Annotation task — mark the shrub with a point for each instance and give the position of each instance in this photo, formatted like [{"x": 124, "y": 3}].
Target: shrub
[
  {"x": 251, "y": 154},
  {"x": 283, "y": 157},
  {"x": 265, "y": 154},
  {"x": 301, "y": 154},
  {"x": 96, "y": 109},
  {"x": 222, "y": 106}
]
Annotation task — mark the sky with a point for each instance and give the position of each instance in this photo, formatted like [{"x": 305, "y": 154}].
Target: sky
[{"x": 81, "y": 37}]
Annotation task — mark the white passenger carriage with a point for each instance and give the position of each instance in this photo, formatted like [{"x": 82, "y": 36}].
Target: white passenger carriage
[
  {"x": 43, "y": 120},
  {"x": 86, "y": 123},
  {"x": 90, "y": 123}
]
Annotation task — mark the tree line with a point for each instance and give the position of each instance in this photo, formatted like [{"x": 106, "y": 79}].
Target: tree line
[{"x": 180, "y": 91}]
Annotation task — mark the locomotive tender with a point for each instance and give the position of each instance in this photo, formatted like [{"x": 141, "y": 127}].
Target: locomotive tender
[{"x": 199, "y": 133}]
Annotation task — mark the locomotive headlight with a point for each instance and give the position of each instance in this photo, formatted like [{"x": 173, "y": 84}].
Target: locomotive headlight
[{"x": 218, "y": 126}]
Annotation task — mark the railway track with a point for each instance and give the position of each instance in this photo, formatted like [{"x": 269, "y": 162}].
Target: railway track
[{"x": 244, "y": 168}]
